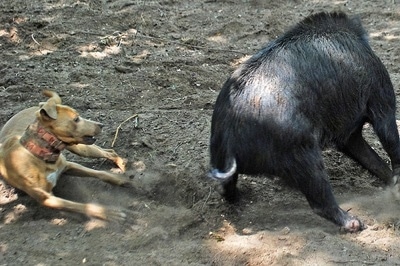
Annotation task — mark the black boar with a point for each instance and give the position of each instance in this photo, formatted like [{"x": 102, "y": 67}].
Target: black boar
[{"x": 315, "y": 86}]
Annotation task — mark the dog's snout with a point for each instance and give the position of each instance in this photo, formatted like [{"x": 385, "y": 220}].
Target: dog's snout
[{"x": 99, "y": 128}]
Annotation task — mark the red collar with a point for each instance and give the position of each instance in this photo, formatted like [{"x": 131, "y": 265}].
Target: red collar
[{"x": 41, "y": 143}]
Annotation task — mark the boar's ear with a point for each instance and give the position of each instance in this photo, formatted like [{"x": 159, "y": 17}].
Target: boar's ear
[{"x": 49, "y": 110}]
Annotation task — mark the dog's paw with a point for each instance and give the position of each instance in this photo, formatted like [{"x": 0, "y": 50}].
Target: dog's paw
[
  {"x": 121, "y": 163},
  {"x": 125, "y": 180},
  {"x": 116, "y": 171},
  {"x": 127, "y": 183},
  {"x": 116, "y": 215},
  {"x": 104, "y": 213},
  {"x": 121, "y": 215}
]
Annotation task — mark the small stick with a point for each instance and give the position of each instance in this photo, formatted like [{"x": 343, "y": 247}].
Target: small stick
[
  {"x": 116, "y": 133},
  {"x": 33, "y": 38}
]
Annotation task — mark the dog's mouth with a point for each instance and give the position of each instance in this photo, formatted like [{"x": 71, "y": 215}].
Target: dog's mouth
[{"x": 88, "y": 140}]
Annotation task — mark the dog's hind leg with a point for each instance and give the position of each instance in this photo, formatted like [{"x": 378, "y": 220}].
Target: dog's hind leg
[
  {"x": 92, "y": 210},
  {"x": 112, "y": 178},
  {"x": 94, "y": 151}
]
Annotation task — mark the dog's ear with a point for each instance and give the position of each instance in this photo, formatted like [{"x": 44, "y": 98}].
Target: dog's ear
[
  {"x": 52, "y": 95},
  {"x": 49, "y": 110}
]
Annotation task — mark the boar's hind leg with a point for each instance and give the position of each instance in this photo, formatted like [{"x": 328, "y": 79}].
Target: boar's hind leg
[
  {"x": 359, "y": 150},
  {"x": 312, "y": 180},
  {"x": 230, "y": 191},
  {"x": 388, "y": 134}
]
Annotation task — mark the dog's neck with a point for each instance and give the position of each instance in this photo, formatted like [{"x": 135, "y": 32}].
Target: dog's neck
[{"x": 41, "y": 143}]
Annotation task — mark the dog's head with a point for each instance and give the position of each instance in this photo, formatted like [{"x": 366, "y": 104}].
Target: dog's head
[{"x": 65, "y": 122}]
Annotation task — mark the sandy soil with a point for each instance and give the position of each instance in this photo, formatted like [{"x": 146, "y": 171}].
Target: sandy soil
[{"x": 166, "y": 61}]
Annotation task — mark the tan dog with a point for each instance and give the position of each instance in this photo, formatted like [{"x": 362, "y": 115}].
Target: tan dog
[{"x": 30, "y": 154}]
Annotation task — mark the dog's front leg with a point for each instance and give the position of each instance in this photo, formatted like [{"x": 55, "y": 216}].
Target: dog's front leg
[
  {"x": 94, "y": 151},
  {"x": 80, "y": 170}
]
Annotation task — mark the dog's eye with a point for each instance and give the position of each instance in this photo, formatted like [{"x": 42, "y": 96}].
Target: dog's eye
[{"x": 77, "y": 119}]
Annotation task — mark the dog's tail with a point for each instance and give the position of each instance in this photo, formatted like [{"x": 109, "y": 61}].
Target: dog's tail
[{"x": 52, "y": 95}]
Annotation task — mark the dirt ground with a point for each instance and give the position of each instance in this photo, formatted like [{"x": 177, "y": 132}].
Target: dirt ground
[{"x": 165, "y": 61}]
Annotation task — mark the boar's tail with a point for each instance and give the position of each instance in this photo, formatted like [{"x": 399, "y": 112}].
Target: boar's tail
[{"x": 217, "y": 175}]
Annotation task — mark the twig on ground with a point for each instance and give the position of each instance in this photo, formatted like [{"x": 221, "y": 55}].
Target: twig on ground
[
  {"x": 119, "y": 126},
  {"x": 33, "y": 38}
]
